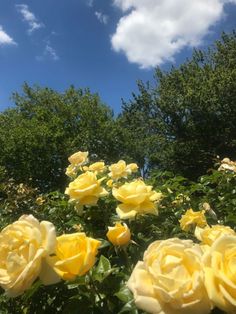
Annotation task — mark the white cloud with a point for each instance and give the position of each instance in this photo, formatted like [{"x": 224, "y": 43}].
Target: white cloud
[
  {"x": 5, "y": 39},
  {"x": 103, "y": 18},
  {"x": 51, "y": 52},
  {"x": 152, "y": 31},
  {"x": 48, "y": 53},
  {"x": 29, "y": 17}
]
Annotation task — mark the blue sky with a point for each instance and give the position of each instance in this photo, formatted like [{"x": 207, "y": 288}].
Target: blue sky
[{"x": 101, "y": 44}]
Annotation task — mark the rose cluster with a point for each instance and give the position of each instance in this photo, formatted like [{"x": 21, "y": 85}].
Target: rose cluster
[{"x": 94, "y": 181}]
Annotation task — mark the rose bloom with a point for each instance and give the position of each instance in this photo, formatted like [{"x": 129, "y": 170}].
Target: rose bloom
[
  {"x": 132, "y": 167},
  {"x": 75, "y": 255},
  {"x": 136, "y": 198},
  {"x": 119, "y": 235},
  {"x": 118, "y": 170},
  {"x": 170, "y": 279},
  {"x": 79, "y": 158},
  {"x": 97, "y": 166},
  {"x": 23, "y": 246},
  {"x": 209, "y": 234},
  {"x": 86, "y": 189},
  {"x": 71, "y": 171},
  {"x": 220, "y": 273},
  {"x": 227, "y": 164},
  {"x": 191, "y": 218}
]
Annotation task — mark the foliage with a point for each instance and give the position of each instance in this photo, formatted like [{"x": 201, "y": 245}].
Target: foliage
[
  {"x": 47, "y": 126},
  {"x": 103, "y": 289},
  {"x": 188, "y": 117}
]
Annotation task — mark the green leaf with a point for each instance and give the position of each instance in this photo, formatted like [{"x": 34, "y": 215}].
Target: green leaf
[
  {"x": 103, "y": 265},
  {"x": 129, "y": 307},
  {"x": 103, "y": 269},
  {"x": 124, "y": 294},
  {"x": 32, "y": 290}
]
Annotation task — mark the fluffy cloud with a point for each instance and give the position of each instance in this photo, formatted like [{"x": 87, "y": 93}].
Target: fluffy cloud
[
  {"x": 103, "y": 18},
  {"x": 5, "y": 39},
  {"x": 152, "y": 31},
  {"x": 29, "y": 17}
]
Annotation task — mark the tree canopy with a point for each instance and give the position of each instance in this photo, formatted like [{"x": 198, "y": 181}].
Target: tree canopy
[
  {"x": 188, "y": 117},
  {"x": 46, "y": 126}
]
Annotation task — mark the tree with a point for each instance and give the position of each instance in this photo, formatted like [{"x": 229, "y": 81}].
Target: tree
[
  {"x": 45, "y": 127},
  {"x": 191, "y": 110}
]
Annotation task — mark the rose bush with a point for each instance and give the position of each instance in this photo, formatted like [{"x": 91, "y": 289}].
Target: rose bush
[{"x": 174, "y": 277}]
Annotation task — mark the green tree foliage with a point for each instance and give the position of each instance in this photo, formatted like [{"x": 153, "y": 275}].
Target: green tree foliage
[
  {"x": 46, "y": 126},
  {"x": 188, "y": 117}
]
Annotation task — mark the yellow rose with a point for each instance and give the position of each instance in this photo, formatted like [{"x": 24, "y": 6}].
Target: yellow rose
[
  {"x": 209, "y": 234},
  {"x": 119, "y": 235},
  {"x": 191, "y": 218},
  {"x": 79, "y": 158},
  {"x": 170, "y": 279},
  {"x": 132, "y": 167},
  {"x": 75, "y": 255},
  {"x": 71, "y": 171},
  {"x": 136, "y": 198},
  {"x": 97, "y": 166},
  {"x": 227, "y": 164},
  {"x": 220, "y": 273},
  {"x": 86, "y": 189},
  {"x": 118, "y": 170},
  {"x": 23, "y": 246}
]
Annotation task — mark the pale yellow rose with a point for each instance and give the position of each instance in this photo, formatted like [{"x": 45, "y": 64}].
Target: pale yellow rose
[
  {"x": 136, "y": 198},
  {"x": 118, "y": 170},
  {"x": 75, "y": 255},
  {"x": 220, "y": 273},
  {"x": 191, "y": 218},
  {"x": 97, "y": 167},
  {"x": 119, "y": 235},
  {"x": 121, "y": 170},
  {"x": 86, "y": 189},
  {"x": 71, "y": 171},
  {"x": 79, "y": 158},
  {"x": 209, "y": 234},
  {"x": 227, "y": 164},
  {"x": 23, "y": 246},
  {"x": 170, "y": 279},
  {"x": 132, "y": 167}
]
